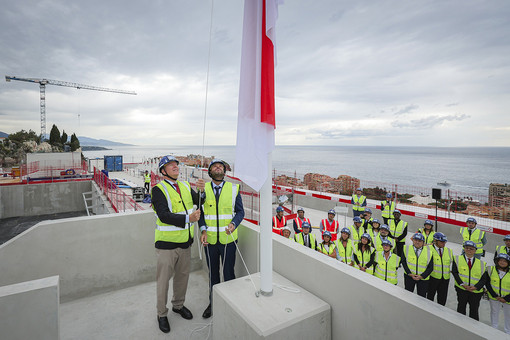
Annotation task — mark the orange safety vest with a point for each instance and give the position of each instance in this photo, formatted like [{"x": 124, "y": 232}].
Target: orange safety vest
[
  {"x": 279, "y": 224},
  {"x": 331, "y": 227},
  {"x": 299, "y": 222}
]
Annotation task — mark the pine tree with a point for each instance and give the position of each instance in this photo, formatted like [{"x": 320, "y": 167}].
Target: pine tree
[
  {"x": 75, "y": 143},
  {"x": 54, "y": 135},
  {"x": 63, "y": 139}
]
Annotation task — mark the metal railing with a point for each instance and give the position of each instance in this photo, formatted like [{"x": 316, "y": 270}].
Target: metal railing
[{"x": 119, "y": 200}]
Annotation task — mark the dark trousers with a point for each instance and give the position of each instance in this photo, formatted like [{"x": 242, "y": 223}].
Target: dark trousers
[
  {"x": 386, "y": 219},
  {"x": 439, "y": 286},
  {"x": 215, "y": 254},
  {"x": 147, "y": 187},
  {"x": 473, "y": 299},
  {"x": 421, "y": 286},
  {"x": 399, "y": 248},
  {"x": 356, "y": 213}
]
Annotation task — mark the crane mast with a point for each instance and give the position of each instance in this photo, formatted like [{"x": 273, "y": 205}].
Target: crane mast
[{"x": 42, "y": 90}]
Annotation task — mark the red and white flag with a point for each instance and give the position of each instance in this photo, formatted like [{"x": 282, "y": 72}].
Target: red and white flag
[{"x": 256, "y": 119}]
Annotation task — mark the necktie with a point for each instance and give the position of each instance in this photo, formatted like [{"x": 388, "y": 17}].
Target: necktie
[
  {"x": 306, "y": 240},
  {"x": 217, "y": 193},
  {"x": 176, "y": 187},
  {"x": 440, "y": 252},
  {"x": 469, "y": 263}
]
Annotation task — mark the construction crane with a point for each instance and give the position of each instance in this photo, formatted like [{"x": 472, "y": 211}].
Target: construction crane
[{"x": 42, "y": 87}]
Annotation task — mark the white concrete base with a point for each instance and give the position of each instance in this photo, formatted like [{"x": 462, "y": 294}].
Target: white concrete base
[{"x": 290, "y": 313}]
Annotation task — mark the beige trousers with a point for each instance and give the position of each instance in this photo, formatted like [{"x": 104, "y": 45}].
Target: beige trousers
[{"x": 172, "y": 263}]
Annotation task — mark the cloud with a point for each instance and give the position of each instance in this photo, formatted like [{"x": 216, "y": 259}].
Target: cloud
[
  {"x": 428, "y": 122},
  {"x": 406, "y": 109}
]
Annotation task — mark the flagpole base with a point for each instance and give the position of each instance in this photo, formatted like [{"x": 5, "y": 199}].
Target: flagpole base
[{"x": 263, "y": 293}]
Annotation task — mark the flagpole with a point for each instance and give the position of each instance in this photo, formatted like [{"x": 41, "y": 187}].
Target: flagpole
[{"x": 266, "y": 233}]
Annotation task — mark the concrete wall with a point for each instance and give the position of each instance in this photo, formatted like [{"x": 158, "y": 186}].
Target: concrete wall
[
  {"x": 44, "y": 198},
  {"x": 90, "y": 254},
  {"x": 363, "y": 306},
  {"x": 29, "y": 310}
]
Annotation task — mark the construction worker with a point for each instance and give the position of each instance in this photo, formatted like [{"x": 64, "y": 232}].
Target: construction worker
[
  {"x": 384, "y": 234},
  {"x": 356, "y": 230},
  {"x": 398, "y": 230},
  {"x": 223, "y": 213},
  {"x": 387, "y": 208},
  {"x": 470, "y": 277},
  {"x": 366, "y": 221},
  {"x": 364, "y": 255},
  {"x": 306, "y": 238},
  {"x": 427, "y": 232},
  {"x": 299, "y": 220},
  {"x": 147, "y": 181},
  {"x": 330, "y": 225},
  {"x": 386, "y": 263},
  {"x": 173, "y": 202},
  {"x": 286, "y": 232},
  {"x": 344, "y": 247},
  {"x": 327, "y": 246},
  {"x": 440, "y": 277},
  {"x": 373, "y": 231},
  {"x": 358, "y": 202},
  {"x": 503, "y": 249},
  {"x": 498, "y": 287},
  {"x": 472, "y": 233},
  {"x": 418, "y": 265},
  {"x": 279, "y": 221}
]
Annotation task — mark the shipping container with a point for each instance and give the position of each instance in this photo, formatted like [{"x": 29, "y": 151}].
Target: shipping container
[{"x": 113, "y": 163}]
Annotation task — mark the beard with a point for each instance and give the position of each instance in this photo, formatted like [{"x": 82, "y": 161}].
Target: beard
[{"x": 217, "y": 176}]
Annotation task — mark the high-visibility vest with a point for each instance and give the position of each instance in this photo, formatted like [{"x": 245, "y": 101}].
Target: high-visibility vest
[
  {"x": 218, "y": 215},
  {"x": 471, "y": 276},
  {"x": 331, "y": 227},
  {"x": 501, "y": 286},
  {"x": 476, "y": 236},
  {"x": 397, "y": 229},
  {"x": 429, "y": 239},
  {"x": 345, "y": 253},
  {"x": 299, "y": 222},
  {"x": 377, "y": 240},
  {"x": 417, "y": 265},
  {"x": 386, "y": 269},
  {"x": 364, "y": 258},
  {"x": 299, "y": 239},
  {"x": 147, "y": 178},
  {"x": 178, "y": 204},
  {"x": 278, "y": 224},
  {"x": 501, "y": 250},
  {"x": 331, "y": 249},
  {"x": 388, "y": 210},
  {"x": 442, "y": 264},
  {"x": 365, "y": 224},
  {"x": 358, "y": 201},
  {"x": 356, "y": 234}
]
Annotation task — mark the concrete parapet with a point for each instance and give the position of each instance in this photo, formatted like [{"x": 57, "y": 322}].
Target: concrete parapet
[{"x": 30, "y": 310}]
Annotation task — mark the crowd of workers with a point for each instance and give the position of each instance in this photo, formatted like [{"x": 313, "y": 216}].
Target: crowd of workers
[{"x": 379, "y": 249}]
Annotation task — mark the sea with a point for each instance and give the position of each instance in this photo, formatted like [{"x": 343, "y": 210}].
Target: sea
[{"x": 467, "y": 170}]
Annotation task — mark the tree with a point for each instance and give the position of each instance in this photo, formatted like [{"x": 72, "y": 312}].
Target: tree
[
  {"x": 75, "y": 143},
  {"x": 54, "y": 136},
  {"x": 63, "y": 139},
  {"x": 23, "y": 136}
]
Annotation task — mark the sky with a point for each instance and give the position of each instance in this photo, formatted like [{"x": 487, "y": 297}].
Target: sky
[{"x": 386, "y": 72}]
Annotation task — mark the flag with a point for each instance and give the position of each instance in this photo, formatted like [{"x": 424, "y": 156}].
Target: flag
[{"x": 256, "y": 108}]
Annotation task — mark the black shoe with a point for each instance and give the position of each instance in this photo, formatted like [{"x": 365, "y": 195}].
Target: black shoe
[
  {"x": 163, "y": 324},
  {"x": 207, "y": 312},
  {"x": 185, "y": 312}
]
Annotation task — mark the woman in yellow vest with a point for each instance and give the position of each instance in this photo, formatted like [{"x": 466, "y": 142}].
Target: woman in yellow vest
[
  {"x": 387, "y": 263},
  {"x": 440, "y": 277},
  {"x": 327, "y": 247},
  {"x": 364, "y": 255},
  {"x": 503, "y": 249},
  {"x": 344, "y": 247},
  {"x": 427, "y": 232},
  {"x": 498, "y": 287}
]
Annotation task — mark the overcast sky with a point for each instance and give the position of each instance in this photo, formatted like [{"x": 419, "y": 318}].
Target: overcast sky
[{"x": 420, "y": 73}]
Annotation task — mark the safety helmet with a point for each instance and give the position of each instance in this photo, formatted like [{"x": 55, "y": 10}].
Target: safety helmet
[
  {"x": 279, "y": 209},
  {"x": 440, "y": 237},
  {"x": 345, "y": 230},
  {"x": 300, "y": 209},
  {"x": 388, "y": 195},
  {"x": 386, "y": 243},
  {"x": 503, "y": 256},
  {"x": 385, "y": 227},
  {"x": 469, "y": 244},
  {"x": 331, "y": 211},
  {"x": 358, "y": 189},
  {"x": 305, "y": 225},
  {"x": 165, "y": 160},
  {"x": 214, "y": 161},
  {"x": 326, "y": 233},
  {"x": 507, "y": 237},
  {"x": 368, "y": 210},
  {"x": 397, "y": 212},
  {"x": 285, "y": 228},
  {"x": 418, "y": 237},
  {"x": 356, "y": 219},
  {"x": 375, "y": 220},
  {"x": 367, "y": 236},
  {"x": 429, "y": 222},
  {"x": 471, "y": 219}
]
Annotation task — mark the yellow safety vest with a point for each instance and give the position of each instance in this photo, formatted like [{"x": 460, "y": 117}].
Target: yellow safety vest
[
  {"x": 388, "y": 209},
  {"x": 470, "y": 277},
  {"x": 147, "y": 178},
  {"x": 500, "y": 286},
  {"x": 364, "y": 258},
  {"x": 331, "y": 250},
  {"x": 428, "y": 239},
  {"x": 219, "y": 214},
  {"x": 501, "y": 250},
  {"x": 345, "y": 253},
  {"x": 442, "y": 265},
  {"x": 178, "y": 204},
  {"x": 398, "y": 229},
  {"x": 358, "y": 201},
  {"x": 356, "y": 234},
  {"x": 387, "y": 269},
  {"x": 299, "y": 239},
  {"x": 417, "y": 265},
  {"x": 378, "y": 242},
  {"x": 476, "y": 236}
]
